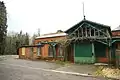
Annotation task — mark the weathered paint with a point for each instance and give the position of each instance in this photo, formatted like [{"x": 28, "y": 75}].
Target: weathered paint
[
  {"x": 20, "y": 52},
  {"x": 115, "y": 33},
  {"x": 83, "y": 53},
  {"x": 45, "y": 48},
  {"x": 102, "y": 59},
  {"x": 27, "y": 52},
  {"x": 101, "y": 52},
  {"x": 71, "y": 53},
  {"x": 115, "y": 50},
  {"x": 93, "y": 53},
  {"x": 84, "y": 60},
  {"x": 23, "y": 51}
]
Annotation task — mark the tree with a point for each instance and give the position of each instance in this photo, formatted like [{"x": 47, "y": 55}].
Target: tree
[
  {"x": 3, "y": 26},
  {"x": 33, "y": 39},
  {"x": 26, "y": 39},
  {"x": 64, "y": 43},
  {"x": 38, "y": 34},
  {"x": 59, "y": 31},
  {"x": 14, "y": 41}
]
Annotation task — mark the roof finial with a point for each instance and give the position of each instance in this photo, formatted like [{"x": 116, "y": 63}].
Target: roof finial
[
  {"x": 84, "y": 17},
  {"x": 83, "y": 11}
]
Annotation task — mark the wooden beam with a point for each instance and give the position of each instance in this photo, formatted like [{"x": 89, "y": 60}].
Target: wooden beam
[
  {"x": 76, "y": 29},
  {"x": 107, "y": 32}
]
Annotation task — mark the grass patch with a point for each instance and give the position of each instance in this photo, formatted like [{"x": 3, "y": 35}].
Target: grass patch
[{"x": 62, "y": 63}]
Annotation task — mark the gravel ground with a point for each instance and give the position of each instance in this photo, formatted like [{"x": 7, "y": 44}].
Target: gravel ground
[{"x": 10, "y": 72}]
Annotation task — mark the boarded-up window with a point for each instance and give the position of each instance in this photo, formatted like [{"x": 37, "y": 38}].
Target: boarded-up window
[
  {"x": 60, "y": 51},
  {"x": 50, "y": 53},
  {"x": 23, "y": 51},
  {"x": 38, "y": 51}
]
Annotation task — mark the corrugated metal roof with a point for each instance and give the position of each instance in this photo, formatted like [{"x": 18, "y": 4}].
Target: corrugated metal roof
[{"x": 51, "y": 35}]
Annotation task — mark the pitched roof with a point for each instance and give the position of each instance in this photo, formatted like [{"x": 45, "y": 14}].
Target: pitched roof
[
  {"x": 88, "y": 21},
  {"x": 51, "y": 35},
  {"x": 116, "y": 29},
  {"x": 39, "y": 45}
]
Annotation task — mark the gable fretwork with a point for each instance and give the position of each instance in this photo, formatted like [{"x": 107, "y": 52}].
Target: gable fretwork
[{"x": 87, "y": 30}]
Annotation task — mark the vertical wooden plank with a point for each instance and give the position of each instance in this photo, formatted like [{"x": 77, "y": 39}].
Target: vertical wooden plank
[
  {"x": 90, "y": 31},
  {"x": 82, "y": 31},
  {"x": 86, "y": 31},
  {"x": 23, "y": 51},
  {"x": 98, "y": 34},
  {"x": 93, "y": 52}
]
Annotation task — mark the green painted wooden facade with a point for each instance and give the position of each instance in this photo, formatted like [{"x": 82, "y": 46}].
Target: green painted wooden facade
[
  {"x": 100, "y": 49},
  {"x": 84, "y": 53}
]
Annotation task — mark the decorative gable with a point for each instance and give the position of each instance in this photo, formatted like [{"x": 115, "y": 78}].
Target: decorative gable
[{"x": 89, "y": 30}]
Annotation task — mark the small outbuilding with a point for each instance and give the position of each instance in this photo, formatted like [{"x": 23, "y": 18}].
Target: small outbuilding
[{"x": 27, "y": 51}]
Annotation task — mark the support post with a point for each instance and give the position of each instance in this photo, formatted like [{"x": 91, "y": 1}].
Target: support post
[
  {"x": 90, "y": 31},
  {"x": 98, "y": 33},
  {"x": 93, "y": 53},
  {"x": 109, "y": 53},
  {"x": 82, "y": 31},
  {"x": 94, "y": 33},
  {"x": 54, "y": 52},
  {"x": 78, "y": 34}
]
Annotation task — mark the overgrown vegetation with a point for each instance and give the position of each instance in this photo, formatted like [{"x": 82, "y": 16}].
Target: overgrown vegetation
[
  {"x": 108, "y": 72},
  {"x": 64, "y": 43},
  {"x": 14, "y": 41}
]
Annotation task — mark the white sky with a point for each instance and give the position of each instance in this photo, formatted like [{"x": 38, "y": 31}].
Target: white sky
[{"x": 51, "y": 15}]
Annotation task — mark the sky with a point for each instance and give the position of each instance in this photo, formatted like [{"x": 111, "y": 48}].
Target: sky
[{"x": 52, "y": 15}]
